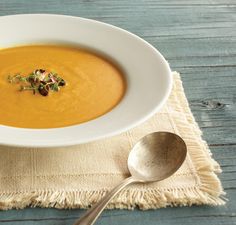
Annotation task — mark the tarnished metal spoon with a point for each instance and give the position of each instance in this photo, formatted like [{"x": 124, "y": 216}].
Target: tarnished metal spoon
[{"x": 155, "y": 157}]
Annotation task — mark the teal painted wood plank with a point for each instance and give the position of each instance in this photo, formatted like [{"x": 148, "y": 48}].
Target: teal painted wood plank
[
  {"x": 178, "y": 216},
  {"x": 198, "y": 38}
]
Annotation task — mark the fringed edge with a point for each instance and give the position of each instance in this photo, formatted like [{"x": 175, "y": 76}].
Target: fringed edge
[
  {"x": 209, "y": 191},
  {"x": 129, "y": 199},
  {"x": 206, "y": 167}
]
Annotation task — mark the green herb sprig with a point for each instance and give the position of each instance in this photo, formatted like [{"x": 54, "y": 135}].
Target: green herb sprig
[{"x": 39, "y": 81}]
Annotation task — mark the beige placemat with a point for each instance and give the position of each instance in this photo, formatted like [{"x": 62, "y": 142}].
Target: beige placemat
[{"x": 79, "y": 176}]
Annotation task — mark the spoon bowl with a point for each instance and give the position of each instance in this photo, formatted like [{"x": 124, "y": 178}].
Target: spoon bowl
[{"x": 156, "y": 156}]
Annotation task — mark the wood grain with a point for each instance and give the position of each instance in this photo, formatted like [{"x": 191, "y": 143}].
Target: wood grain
[{"x": 198, "y": 38}]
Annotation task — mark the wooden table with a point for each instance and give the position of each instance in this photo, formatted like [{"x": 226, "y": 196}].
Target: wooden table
[{"x": 198, "y": 38}]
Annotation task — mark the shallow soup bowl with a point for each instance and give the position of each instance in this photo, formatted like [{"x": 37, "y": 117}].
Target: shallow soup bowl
[{"x": 146, "y": 72}]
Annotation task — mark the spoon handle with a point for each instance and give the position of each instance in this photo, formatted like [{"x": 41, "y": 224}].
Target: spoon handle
[{"x": 92, "y": 214}]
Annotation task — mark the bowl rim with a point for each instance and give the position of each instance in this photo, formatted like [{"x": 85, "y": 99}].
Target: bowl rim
[{"x": 71, "y": 142}]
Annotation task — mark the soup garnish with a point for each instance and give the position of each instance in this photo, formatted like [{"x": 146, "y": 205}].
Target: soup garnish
[{"x": 39, "y": 80}]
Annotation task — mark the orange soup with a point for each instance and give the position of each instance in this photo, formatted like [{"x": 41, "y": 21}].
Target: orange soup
[{"x": 93, "y": 86}]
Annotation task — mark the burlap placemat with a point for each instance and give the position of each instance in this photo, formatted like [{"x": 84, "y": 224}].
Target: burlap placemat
[{"x": 80, "y": 175}]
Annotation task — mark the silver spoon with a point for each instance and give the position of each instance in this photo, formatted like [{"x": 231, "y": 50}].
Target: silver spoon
[{"x": 155, "y": 157}]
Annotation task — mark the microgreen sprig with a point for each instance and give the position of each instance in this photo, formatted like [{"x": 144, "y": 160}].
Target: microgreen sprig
[{"x": 39, "y": 80}]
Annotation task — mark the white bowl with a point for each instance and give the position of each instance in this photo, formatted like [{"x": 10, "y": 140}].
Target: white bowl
[{"x": 147, "y": 72}]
